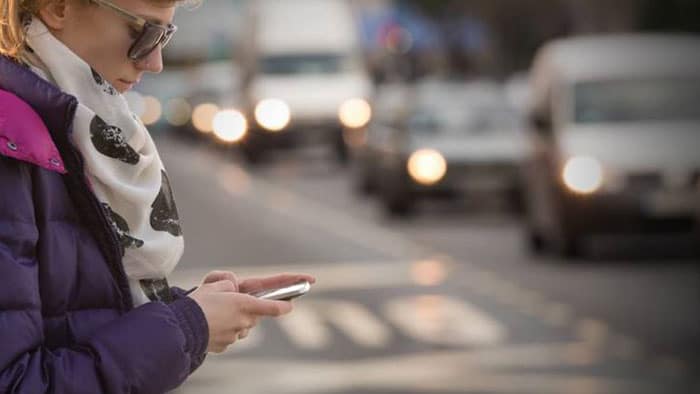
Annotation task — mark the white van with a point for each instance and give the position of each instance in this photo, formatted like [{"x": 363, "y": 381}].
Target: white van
[
  {"x": 616, "y": 137},
  {"x": 304, "y": 80}
]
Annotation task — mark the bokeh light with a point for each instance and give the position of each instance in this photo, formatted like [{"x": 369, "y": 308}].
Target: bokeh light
[
  {"x": 152, "y": 110},
  {"x": 178, "y": 111},
  {"x": 203, "y": 117},
  {"x": 230, "y": 125}
]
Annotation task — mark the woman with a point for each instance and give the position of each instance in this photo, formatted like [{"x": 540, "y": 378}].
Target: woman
[{"x": 88, "y": 226}]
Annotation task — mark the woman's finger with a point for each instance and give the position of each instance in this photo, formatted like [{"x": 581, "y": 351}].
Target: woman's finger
[
  {"x": 216, "y": 276},
  {"x": 260, "y": 307}
]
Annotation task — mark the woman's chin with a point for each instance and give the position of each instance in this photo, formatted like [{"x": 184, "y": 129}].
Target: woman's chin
[{"x": 122, "y": 86}]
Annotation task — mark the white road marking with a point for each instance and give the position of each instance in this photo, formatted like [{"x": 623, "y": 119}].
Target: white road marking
[
  {"x": 444, "y": 320},
  {"x": 306, "y": 328},
  {"x": 357, "y": 322},
  {"x": 309, "y": 326}
]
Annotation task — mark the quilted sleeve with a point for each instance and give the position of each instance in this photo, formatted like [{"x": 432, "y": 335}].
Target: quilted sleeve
[{"x": 151, "y": 349}]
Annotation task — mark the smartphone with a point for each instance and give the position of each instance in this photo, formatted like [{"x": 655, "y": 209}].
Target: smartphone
[{"x": 284, "y": 293}]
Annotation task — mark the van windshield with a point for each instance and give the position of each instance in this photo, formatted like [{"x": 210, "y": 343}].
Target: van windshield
[
  {"x": 457, "y": 120},
  {"x": 303, "y": 64},
  {"x": 637, "y": 100}
]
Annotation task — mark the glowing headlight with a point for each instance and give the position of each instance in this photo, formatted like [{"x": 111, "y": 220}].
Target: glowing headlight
[
  {"x": 427, "y": 166},
  {"x": 203, "y": 116},
  {"x": 355, "y": 113},
  {"x": 178, "y": 111},
  {"x": 230, "y": 125},
  {"x": 152, "y": 110},
  {"x": 272, "y": 114},
  {"x": 583, "y": 174}
]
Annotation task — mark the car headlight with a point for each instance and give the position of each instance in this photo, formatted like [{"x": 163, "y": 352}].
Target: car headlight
[
  {"x": 203, "y": 116},
  {"x": 583, "y": 174},
  {"x": 272, "y": 114},
  {"x": 152, "y": 110},
  {"x": 178, "y": 111},
  {"x": 355, "y": 113},
  {"x": 427, "y": 166},
  {"x": 230, "y": 125}
]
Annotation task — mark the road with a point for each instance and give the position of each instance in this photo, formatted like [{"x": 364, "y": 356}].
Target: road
[{"x": 445, "y": 301}]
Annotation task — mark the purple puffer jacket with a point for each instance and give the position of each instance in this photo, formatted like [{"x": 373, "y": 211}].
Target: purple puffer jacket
[{"x": 67, "y": 324}]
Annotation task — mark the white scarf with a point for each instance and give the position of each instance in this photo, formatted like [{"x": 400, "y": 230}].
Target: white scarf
[{"x": 121, "y": 161}]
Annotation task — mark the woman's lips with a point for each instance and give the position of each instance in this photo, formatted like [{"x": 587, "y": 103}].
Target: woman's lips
[{"x": 126, "y": 84}]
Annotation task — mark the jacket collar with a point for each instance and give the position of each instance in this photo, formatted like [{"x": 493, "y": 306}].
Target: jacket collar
[
  {"x": 52, "y": 105},
  {"x": 33, "y": 137},
  {"x": 24, "y": 136}
]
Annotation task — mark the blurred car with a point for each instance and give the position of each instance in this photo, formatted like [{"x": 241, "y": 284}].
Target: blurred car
[
  {"x": 615, "y": 122},
  {"x": 214, "y": 90},
  {"x": 304, "y": 82},
  {"x": 158, "y": 99},
  {"x": 450, "y": 139},
  {"x": 390, "y": 105}
]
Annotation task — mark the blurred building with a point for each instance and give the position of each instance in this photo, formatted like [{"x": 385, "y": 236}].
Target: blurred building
[{"x": 409, "y": 38}]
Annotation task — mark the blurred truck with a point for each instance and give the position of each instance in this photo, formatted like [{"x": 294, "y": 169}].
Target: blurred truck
[
  {"x": 615, "y": 125},
  {"x": 303, "y": 79}
]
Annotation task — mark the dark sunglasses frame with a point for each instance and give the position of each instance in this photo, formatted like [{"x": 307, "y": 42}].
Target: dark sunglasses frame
[{"x": 151, "y": 34}]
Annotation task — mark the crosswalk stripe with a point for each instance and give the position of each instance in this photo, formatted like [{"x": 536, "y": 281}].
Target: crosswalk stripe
[
  {"x": 308, "y": 326},
  {"x": 358, "y": 323},
  {"x": 444, "y": 320},
  {"x": 305, "y": 327}
]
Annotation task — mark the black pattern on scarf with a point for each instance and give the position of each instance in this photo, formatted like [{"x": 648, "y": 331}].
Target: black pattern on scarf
[
  {"x": 122, "y": 228},
  {"x": 109, "y": 140},
  {"x": 106, "y": 87},
  {"x": 164, "y": 215}
]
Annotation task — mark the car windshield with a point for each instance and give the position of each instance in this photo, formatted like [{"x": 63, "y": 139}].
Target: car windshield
[
  {"x": 303, "y": 64},
  {"x": 637, "y": 101},
  {"x": 463, "y": 120}
]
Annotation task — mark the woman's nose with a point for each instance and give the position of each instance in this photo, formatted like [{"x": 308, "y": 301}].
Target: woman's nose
[{"x": 153, "y": 62}]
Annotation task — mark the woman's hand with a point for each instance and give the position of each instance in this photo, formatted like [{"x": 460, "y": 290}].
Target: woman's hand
[{"x": 230, "y": 314}]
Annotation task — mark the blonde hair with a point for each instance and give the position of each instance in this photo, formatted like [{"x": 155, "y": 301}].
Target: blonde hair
[{"x": 13, "y": 13}]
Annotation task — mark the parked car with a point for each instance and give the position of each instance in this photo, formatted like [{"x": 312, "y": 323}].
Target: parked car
[
  {"x": 615, "y": 123},
  {"x": 450, "y": 140}
]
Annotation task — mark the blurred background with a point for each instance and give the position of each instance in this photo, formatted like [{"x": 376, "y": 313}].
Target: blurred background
[{"x": 496, "y": 196}]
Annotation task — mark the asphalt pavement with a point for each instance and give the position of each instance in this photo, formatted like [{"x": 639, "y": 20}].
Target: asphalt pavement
[{"x": 444, "y": 301}]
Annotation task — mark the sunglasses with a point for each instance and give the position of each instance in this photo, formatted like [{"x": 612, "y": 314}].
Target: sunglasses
[{"x": 150, "y": 34}]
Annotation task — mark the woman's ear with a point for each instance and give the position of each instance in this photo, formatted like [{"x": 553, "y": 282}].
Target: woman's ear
[{"x": 54, "y": 14}]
